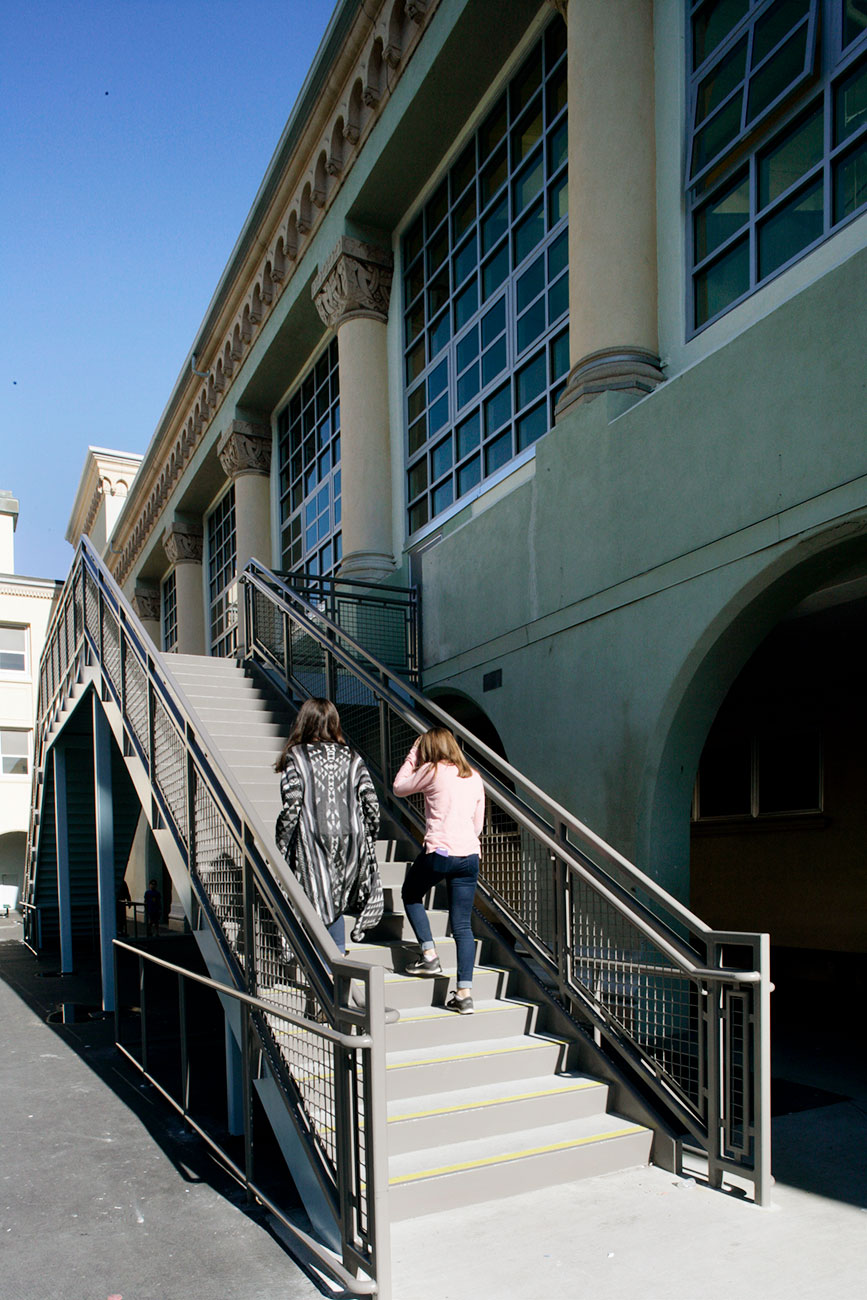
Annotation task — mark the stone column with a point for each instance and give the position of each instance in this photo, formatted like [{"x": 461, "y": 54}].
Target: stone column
[
  {"x": 612, "y": 199},
  {"x": 245, "y": 454},
  {"x": 352, "y": 294},
  {"x": 146, "y": 604},
  {"x": 182, "y": 544}
]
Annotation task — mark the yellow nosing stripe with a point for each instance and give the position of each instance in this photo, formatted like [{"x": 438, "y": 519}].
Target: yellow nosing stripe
[
  {"x": 467, "y": 1056},
  {"x": 442, "y": 1014},
  {"x": 515, "y": 1155},
  {"x": 494, "y": 1101}
]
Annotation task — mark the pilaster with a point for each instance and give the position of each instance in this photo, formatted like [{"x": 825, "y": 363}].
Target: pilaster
[
  {"x": 612, "y": 199},
  {"x": 245, "y": 454},
  {"x": 352, "y": 294}
]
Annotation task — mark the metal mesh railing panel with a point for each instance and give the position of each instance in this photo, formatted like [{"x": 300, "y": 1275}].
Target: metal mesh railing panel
[
  {"x": 269, "y": 625},
  {"x": 111, "y": 648},
  {"x": 637, "y": 989},
  {"x": 91, "y": 592},
  {"x": 737, "y": 1072},
  {"x": 359, "y": 714},
  {"x": 308, "y": 661},
  {"x": 170, "y": 767},
  {"x": 518, "y": 868},
  {"x": 219, "y": 868},
  {"x": 307, "y": 1057},
  {"x": 136, "y": 699}
]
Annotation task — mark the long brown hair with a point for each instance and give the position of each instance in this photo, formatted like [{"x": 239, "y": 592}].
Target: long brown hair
[
  {"x": 317, "y": 721},
  {"x": 439, "y": 746}
]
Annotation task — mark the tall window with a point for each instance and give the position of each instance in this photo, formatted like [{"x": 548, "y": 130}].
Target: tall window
[
  {"x": 169, "y": 604},
  {"x": 14, "y": 752},
  {"x": 308, "y": 431},
  {"x": 486, "y": 294},
  {"x": 13, "y": 649},
  {"x": 222, "y": 576},
  {"x": 777, "y": 150}
]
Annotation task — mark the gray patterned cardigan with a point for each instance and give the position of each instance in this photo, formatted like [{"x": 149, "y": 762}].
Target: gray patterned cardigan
[{"x": 326, "y": 831}]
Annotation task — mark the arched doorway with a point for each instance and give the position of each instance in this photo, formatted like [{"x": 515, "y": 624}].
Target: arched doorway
[{"x": 779, "y": 818}]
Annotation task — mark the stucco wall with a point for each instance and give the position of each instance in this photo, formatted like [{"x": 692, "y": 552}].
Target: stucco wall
[{"x": 651, "y": 550}]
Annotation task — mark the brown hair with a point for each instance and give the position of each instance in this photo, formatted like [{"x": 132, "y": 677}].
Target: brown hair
[
  {"x": 317, "y": 721},
  {"x": 439, "y": 746}
]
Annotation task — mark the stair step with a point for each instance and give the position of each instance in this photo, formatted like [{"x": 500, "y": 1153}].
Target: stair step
[
  {"x": 432, "y": 1026},
  {"x": 407, "y": 992},
  {"x": 502, "y": 1106},
  {"x": 395, "y": 926},
  {"x": 489, "y": 1168},
  {"x": 396, "y": 955},
  {"x": 471, "y": 1063}
]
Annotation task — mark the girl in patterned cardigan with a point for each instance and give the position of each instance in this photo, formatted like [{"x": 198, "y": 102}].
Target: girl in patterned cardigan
[{"x": 326, "y": 829}]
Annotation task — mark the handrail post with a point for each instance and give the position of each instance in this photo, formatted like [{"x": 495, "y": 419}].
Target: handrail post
[
  {"x": 713, "y": 994},
  {"x": 762, "y": 1074},
  {"x": 142, "y": 1008},
  {"x": 185, "y": 1055}
]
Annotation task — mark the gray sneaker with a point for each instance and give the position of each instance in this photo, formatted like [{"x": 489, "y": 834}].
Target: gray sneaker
[
  {"x": 463, "y": 1006},
  {"x": 425, "y": 966}
]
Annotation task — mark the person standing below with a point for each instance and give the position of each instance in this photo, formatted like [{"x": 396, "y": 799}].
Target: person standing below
[
  {"x": 153, "y": 906},
  {"x": 454, "y": 806},
  {"x": 326, "y": 829}
]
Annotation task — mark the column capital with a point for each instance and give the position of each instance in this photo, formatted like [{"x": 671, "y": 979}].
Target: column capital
[
  {"x": 628, "y": 369},
  {"x": 182, "y": 542},
  {"x": 355, "y": 281},
  {"x": 146, "y": 602},
  {"x": 245, "y": 448}
]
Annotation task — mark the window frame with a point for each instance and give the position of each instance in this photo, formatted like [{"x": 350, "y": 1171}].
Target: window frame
[
  {"x": 169, "y": 612},
  {"x": 222, "y": 571},
  {"x": 18, "y": 674},
  {"x": 756, "y": 815},
  {"x": 834, "y": 65},
  {"x": 27, "y": 732},
  {"x": 441, "y": 220},
  {"x": 295, "y": 498}
]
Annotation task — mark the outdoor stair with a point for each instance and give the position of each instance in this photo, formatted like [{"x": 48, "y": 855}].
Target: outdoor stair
[{"x": 481, "y": 1106}]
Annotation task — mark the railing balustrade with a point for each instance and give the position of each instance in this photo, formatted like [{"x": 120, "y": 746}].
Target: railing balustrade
[
  {"x": 272, "y": 942},
  {"x": 684, "y": 1006}
]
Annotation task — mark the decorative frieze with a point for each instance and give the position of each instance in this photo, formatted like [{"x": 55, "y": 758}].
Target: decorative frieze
[
  {"x": 245, "y": 448},
  {"x": 182, "y": 542},
  {"x": 355, "y": 281}
]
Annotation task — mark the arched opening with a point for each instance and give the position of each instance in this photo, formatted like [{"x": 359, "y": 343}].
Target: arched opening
[
  {"x": 465, "y": 711},
  {"x": 779, "y": 817}
]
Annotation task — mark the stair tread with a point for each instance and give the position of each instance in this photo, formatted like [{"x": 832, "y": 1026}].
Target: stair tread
[
  {"x": 487, "y": 1007},
  {"x": 472, "y": 1046},
  {"x": 488, "y": 1094},
  {"x": 499, "y": 1148}
]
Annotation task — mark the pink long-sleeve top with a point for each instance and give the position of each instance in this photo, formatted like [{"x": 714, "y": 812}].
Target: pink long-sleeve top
[{"x": 454, "y": 806}]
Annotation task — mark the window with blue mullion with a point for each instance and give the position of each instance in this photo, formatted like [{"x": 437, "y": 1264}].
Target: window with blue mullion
[
  {"x": 308, "y": 430},
  {"x": 486, "y": 292},
  {"x": 765, "y": 188}
]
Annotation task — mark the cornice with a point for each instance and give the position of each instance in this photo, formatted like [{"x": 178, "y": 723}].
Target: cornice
[
  {"x": 105, "y": 473},
  {"x": 361, "y": 59}
]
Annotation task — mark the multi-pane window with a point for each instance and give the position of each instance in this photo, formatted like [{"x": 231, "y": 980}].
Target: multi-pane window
[
  {"x": 486, "y": 293},
  {"x": 765, "y": 772},
  {"x": 308, "y": 431},
  {"x": 777, "y": 151},
  {"x": 14, "y": 752},
  {"x": 222, "y": 576},
  {"x": 169, "y": 605},
  {"x": 13, "y": 649}
]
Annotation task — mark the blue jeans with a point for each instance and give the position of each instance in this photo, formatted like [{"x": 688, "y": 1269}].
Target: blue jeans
[
  {"x": 461, "y": 876},
  {"x": 337, "y": 930}
]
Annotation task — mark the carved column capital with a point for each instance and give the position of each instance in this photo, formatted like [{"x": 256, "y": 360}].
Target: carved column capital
[
  {"x": 354, "y": 282},
  {"x": 146, "y": 602},
  {"x": 182, "y": 542},
  {"x": 245, "y": 448}
]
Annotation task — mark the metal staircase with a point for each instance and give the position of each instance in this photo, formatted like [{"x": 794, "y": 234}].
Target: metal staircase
[{"x": 593, "y": 987}]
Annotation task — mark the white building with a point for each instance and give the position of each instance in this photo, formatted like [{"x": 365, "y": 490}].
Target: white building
[{"x": 26, "y": 606}]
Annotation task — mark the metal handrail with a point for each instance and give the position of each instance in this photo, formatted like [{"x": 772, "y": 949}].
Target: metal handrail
[
  {"x": 674, "y": 1025},
  {"x": 350, "y": 1284},
  {"x": 272, "y": 941}
]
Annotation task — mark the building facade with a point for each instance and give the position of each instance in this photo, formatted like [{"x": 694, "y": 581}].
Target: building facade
[
  {"x": 557, "y": 311},
  {"x": 26, "y": 606}
]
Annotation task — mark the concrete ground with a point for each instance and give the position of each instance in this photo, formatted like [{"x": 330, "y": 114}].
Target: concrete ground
[{"x": 106, "y": 1197}]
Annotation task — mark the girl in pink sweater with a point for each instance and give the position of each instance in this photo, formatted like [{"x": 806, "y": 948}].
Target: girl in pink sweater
[{"x": 454, "y": 806}]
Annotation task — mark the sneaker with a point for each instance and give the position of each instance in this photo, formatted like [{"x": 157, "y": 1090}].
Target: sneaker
[
  {"x": 463, "y": 1006},
  {"x": 425, "y": 966}
]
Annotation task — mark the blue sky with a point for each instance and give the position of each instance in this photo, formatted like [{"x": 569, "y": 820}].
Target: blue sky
[{"x": 133, "y": 137}]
